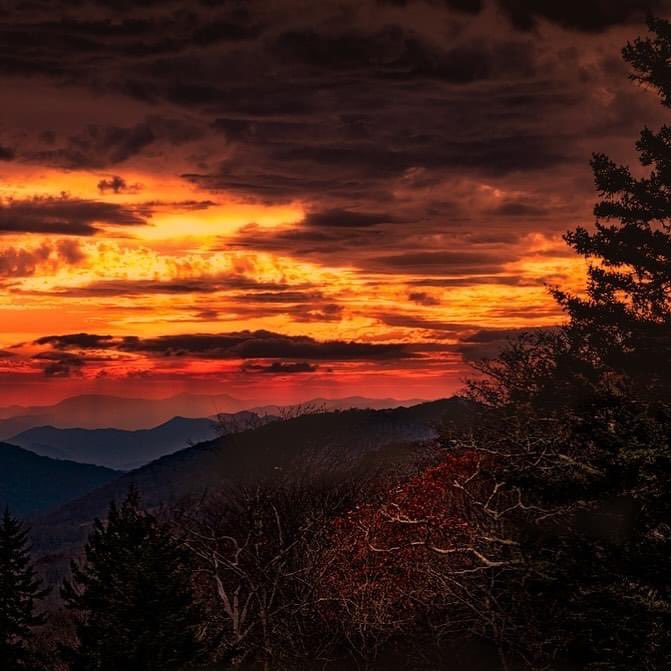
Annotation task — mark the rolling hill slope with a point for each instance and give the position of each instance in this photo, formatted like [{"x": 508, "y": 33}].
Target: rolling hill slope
[
  {"x": 116, "y": 448},
  {"x": 30, "y": 483},
  {"x": 326, "y": 440},
  {"x": 95, "y": 411},
  {"x": 99, "y": 411}
]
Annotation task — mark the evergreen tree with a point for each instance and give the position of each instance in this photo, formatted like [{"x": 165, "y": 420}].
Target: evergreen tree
[
  {"x": 132, "y": 596},
  {"x": 582, "y": 421},
  {"x": 623, "y": 325},
  {"x": 19, "y": 590}
]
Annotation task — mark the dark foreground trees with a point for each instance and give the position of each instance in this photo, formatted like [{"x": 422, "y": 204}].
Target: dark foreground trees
[
  {"x": 132, "y": 596},
  {"x": 20, "y": 590},
  {"x": 558, "y": 548},
  {"x": 259, "y": 553},
  {"x": 580, "y": 423},
  {"x": 545, "y": 531}
]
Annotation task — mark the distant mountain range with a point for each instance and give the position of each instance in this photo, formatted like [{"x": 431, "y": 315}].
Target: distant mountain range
[
  {"x": 31, "y": 483},
  {"x": 99, "y": 411},
  {"x": 328, "y": 441},
  {"x": 119, "y": 448},
  {"x": 96, "y": 411},
  {"x": 347, "y": 403}
]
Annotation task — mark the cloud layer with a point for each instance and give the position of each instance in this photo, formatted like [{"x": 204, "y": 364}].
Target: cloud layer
[{"x": 323, "y": 191}]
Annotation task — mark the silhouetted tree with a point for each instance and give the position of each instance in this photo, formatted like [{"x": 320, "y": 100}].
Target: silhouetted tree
[
  {"x": 132, "y": 596},
  {"x": 258, "y": 552},
  {"x": 580, "y": 422},
  {"x": 19, "y": 590},
  {"x": 422, "y": 568},
  {"x": 623, "y": 324}
]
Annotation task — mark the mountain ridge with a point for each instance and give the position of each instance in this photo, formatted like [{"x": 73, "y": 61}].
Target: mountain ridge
[
  {"x": 321, "y": 440},
  {"x": 100, "y": 411},
  {"x": 120, "y": 449},
  {"x": 30, "y": 483}
]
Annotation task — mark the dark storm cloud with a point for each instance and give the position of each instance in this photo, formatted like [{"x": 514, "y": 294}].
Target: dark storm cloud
[
  {"x": 279, "y": 367},
  {"x": 441, "y": 263},
  {"x": 513, "y": 208},
  {"x": 309, "y": 241},
  {"x": 398, "y": 248},
  {"x": 343, "y": 170},
  {"x": 303, "y": 308},
  {"x": 117, "y": 184},
  {"x": 61, "y": 364},
  {"x": 180, "y": 205},
  {"x": 6, "y": 153},
  {"x": 470, "y": 280},
  {"x": 286, "y": 142},
  {"x": 64, "y": 368},
  {"x": 70, "y": 251},
  {"x": 415, "y": 322},
  {"x": 234, "y": 345},
  {"x": 75, "y": 340},
  {"x": 588, "y": 15},
  {"x": 281, "y": 296},
  {"x": 488, "y": 343},
  {"x": 24, "y": 262},
  {"x": 99, "y": 146},
  {"x": 17, "y": 262},
  {"x": 321, "y": 312},
  {"x": 469, "y": 6},
  {"x": 204, "y": 285},
  {"x": 367, "y": 113},
  {"x": 346, "y": 219},
  {"x": 260, "y": 345},
  {"x": 397, "y": 53},
  {"x": 207, "y": 315},
  {"x": 55, "y": 39},
  {"x": 423, "y": 298},
  {"x": 65, "y": 216}
]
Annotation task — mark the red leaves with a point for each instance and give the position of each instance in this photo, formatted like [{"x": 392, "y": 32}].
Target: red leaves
[{"x": 384, "y": 553}]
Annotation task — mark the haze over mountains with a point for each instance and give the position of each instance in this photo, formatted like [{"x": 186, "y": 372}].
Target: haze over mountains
[
  {"x": 328, "y": 441},
  {"x": 29, "y": 483},
  {"x": 58, "y": 476},
  {"x": 93, "y": 411},
  {"x": 119, "y": 448},
  {"x": 46, "y": 467}
]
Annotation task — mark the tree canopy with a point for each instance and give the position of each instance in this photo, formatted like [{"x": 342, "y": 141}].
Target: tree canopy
[
  {"x": 132, "y": 596},
  {"x": 20, "y": 590}
]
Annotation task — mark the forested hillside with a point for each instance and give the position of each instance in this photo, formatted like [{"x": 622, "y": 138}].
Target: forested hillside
[{"x": 31, "y": 484}]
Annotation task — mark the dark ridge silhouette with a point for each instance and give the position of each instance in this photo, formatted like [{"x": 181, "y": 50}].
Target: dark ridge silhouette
[
  {"x": 117, "y": 448},
  {"x": 30, "y": 483},
  {"x": 99, "y": 411},
  {"x": 367, "y": 438},
  {"x": 95, "y": 411}
]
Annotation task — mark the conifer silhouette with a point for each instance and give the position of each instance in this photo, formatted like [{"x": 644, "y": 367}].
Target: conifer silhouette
[
  {"x": 132, "y": 596},
  {"x": 20, "y": 589}
]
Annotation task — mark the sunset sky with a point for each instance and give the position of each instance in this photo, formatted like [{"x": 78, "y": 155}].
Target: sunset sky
[{"x": 286, "y": 199}]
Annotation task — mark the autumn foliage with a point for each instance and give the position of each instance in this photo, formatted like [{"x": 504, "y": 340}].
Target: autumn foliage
[{"x": 413, "y": 558}]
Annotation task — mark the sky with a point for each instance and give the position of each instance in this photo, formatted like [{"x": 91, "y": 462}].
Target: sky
[{"x": 288, "y": 199}]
